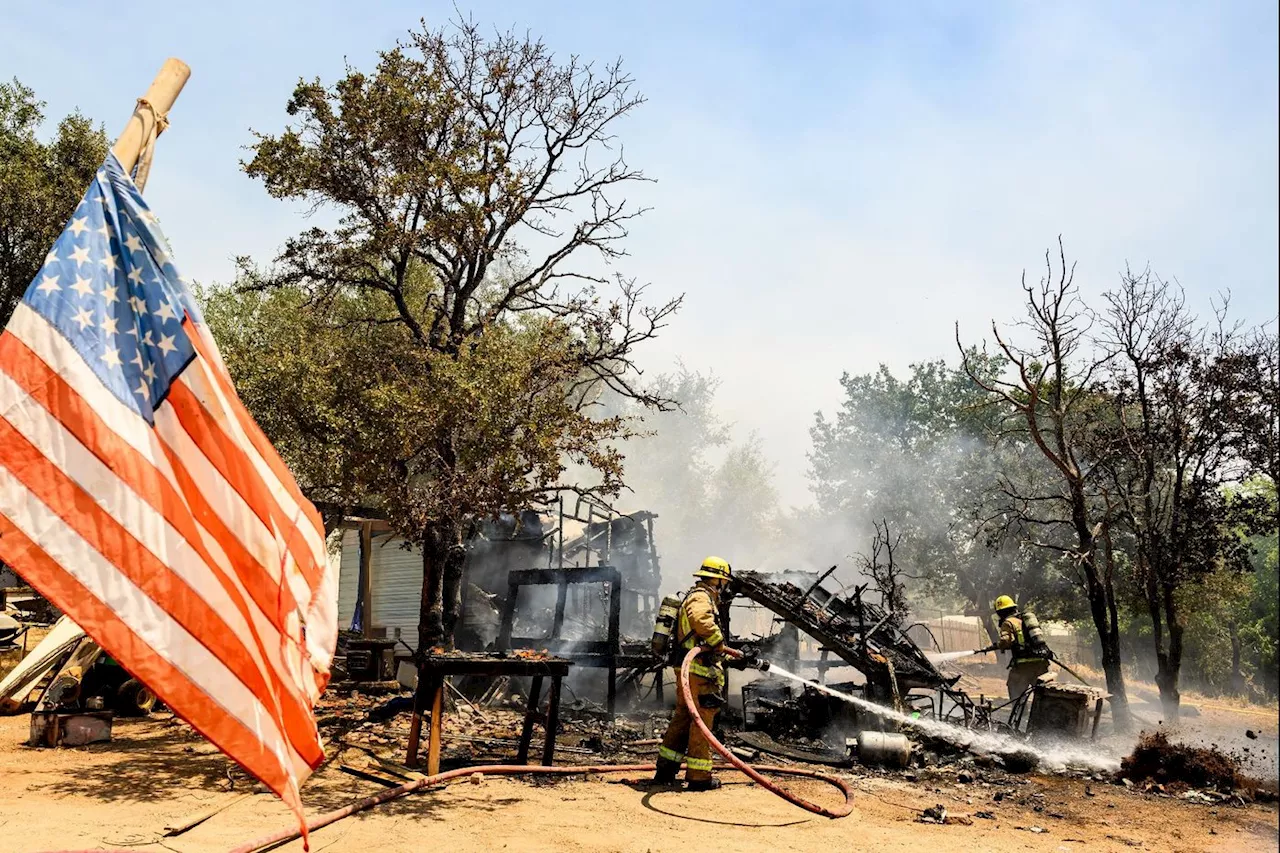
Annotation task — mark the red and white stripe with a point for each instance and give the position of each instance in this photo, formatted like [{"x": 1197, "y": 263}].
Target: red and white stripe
[{"x": 185, "y": 549}]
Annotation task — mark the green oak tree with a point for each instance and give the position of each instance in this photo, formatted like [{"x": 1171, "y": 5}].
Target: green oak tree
[
  {"x": 476, "y": 191},
  {"x": 40, "y": 185}
]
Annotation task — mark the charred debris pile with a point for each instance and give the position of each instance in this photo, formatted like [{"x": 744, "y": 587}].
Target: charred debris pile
[{"x": 585, "y": 588}]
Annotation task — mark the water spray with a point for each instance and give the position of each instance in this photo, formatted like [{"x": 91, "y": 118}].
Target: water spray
[
  {"x": 946, "y": 657},
  {"x": 1059, "y": 757}
]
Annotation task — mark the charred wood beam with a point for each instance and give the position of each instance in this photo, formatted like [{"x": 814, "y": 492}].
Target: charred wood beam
[
  {"x": 880, "y": 654},
  {"x": 808, "y": 592}
]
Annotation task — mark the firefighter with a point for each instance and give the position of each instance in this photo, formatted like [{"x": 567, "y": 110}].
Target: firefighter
[
  {"x": 1026, "y": 663},
  {"x": 698, "y": 624}
]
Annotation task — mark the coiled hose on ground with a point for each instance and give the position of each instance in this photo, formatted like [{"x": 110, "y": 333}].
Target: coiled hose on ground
[{"x": 686, "y": 695}]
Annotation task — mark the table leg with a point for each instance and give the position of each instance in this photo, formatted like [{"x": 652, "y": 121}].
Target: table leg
[
  {"x": 553, "y": 723},
  {"x": 415, "y": 724},
  {"x": 437, "y": 719},
  {"x": 530, "y": 715}
]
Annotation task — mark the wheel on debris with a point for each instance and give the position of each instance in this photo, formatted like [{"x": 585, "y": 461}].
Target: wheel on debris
[{"x": 134, "y": 699}]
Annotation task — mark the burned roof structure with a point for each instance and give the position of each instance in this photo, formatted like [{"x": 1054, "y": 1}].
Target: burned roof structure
[{"x": 857, "y": 631}]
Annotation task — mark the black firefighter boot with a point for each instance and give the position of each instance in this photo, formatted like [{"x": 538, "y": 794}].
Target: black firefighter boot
[
  {"x": 667, "y": 772},
  {"x": 711, "y": 784}
]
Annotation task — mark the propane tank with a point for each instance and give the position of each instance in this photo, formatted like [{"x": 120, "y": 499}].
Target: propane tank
[
  {"x": 1034, "y": 635},
  {"x": 664, "y": 624},
  {"x": 888, "y": 748}
]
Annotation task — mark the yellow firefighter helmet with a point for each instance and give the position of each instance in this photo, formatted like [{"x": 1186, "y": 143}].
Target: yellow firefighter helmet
[
  {"x": 1004, "y": 602},
  {"x": 714, "y": 567}
]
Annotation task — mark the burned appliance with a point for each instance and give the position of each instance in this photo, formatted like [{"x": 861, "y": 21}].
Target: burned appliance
[
  {"x": 583, "y": 534},
  {"x": 368, "y": 659},
  {"x": 1064, "y": 710}
]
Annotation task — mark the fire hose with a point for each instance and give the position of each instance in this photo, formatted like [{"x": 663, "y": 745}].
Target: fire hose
[{"x": 686, "y": 695}]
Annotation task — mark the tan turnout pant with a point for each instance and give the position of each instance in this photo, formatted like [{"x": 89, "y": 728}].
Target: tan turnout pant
[
  {"x": 1023, "y": 675},
  {"x": 683, "y": 740}
]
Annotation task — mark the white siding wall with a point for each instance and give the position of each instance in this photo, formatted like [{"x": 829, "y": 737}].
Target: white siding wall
[
  {"x": 348, "y": 577},
  {"x": 397, "y": 585},
  {"x": 397, "y": 588}
]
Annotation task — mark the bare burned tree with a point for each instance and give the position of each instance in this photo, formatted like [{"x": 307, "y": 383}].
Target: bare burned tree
[
  {"x": 885, "y": 574},
  {"x": 1052, "y": 401},
  {"x": 1170, "y": 449},
  {"x": 479, "y": 186}
]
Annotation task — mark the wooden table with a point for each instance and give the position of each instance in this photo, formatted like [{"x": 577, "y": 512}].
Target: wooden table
[{"x": 432, "y": 673}]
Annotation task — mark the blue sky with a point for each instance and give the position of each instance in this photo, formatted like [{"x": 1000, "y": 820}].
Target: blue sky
[{"x": 837, "y": 183}]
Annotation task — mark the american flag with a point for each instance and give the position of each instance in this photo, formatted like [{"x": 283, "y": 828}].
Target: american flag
[{"x": 138, "y": 495}]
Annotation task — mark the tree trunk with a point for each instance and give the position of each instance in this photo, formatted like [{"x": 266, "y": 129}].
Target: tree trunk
[
  {"x": 1167, "y": 681},
  {"x": 1157, "y": 638},
  {"x": 430, "y": 608},
  {"x": 980, "y": 598},
  {"x": 1168, "y": 657},
  {"x": 1106, "y": 620},
  {"x": 451, "y": 594},
  {"x": 1101, "y": 604},
  {"x": 992, "y": 629},
  {"x": 988, "y": 624},
  {"x": 1237, "y": 674},
  {"x": 441, "y": 586}
]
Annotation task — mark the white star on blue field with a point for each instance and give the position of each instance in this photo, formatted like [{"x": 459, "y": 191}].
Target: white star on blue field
[{"x": 110, "y": 287}]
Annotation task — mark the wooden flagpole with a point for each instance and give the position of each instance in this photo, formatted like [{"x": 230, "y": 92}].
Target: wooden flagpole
[{"x": 152, "y": 108}]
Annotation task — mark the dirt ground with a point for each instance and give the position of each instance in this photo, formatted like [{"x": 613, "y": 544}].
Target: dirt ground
[{"x": 156, "y": 772}]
